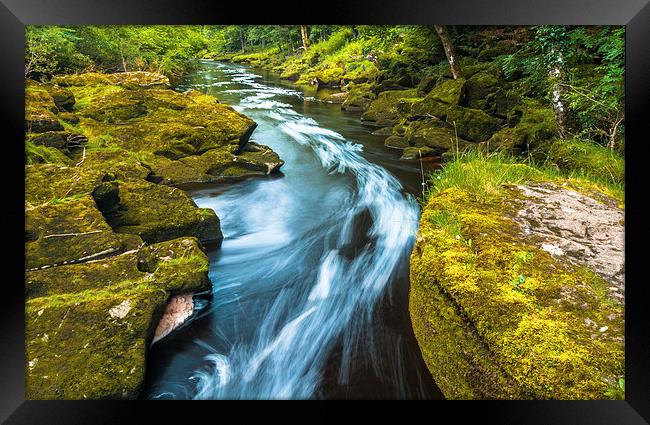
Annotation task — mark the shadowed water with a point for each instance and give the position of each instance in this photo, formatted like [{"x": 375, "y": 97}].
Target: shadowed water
[{"x": 310, "y": 283}]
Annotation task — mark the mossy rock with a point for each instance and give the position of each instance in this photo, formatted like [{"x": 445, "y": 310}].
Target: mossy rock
[
  {"x": 38, "y": 154},
  {"x": 472, "y": 124},
  {"x": 359, "y": 98},
  {"x": 504, "y": 101},
  {"x": 128, "y": 80},
  {"x": 418, "y": 152},
  {"x": 490, "y": 53},
  {"x": 63, "y": 98},
  {"x": 215, "y": 165},
  {"x": 336, "y": 97},
  {"x": 396, "y": 142},
  {"x": 435, "y": 135},
  {"x": 67, "y": 230},
  {"x": 51, "y": 139},
  {"x": 478, "y": 90},
  {"x": 40, "y": 109},
  {"x": 164, "y": 122},
  {"x": 360, "y": 72},
  {"x": 157, "y": 213},
  {"x": 530, "y": 127},
  {"x": 450, "y": 92},
  {"x": 89, "y": 326},
  {"x": 587, "y": 158},
  {"x": 383, "y": 111},
  {"x": 497, "y": 317}
]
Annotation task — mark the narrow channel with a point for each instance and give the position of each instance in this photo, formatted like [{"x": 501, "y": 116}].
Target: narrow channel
[{"x": 310, "y": 285}]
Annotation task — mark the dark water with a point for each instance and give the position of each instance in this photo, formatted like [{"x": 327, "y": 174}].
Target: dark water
[{"x": 310, "y": 296}]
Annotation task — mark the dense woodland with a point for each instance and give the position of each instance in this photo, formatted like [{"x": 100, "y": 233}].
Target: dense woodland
[{"x": 579, "y": 70}]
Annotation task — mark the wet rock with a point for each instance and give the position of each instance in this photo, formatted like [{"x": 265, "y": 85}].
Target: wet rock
[
  {"x": 417, "y": 153},
  {"x": 178, "y": 310}
]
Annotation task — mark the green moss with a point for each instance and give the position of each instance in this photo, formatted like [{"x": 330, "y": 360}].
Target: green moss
[
  {"x": 89, "y": 325},
  {"x": 490, "y": 309},
  {"x": 359, "y": 98},
  {"x": 58, "y": 232},
  {"x": 472, "y": 124},
  {"x": 383, "y": 111},
  {"x": 451, "y": 92},
  {"x": 530, "y": 126},
  {"x": 479, "y": 89},
  {"x": 35, "y": 154},
  {"x": 157, "y": 213}
]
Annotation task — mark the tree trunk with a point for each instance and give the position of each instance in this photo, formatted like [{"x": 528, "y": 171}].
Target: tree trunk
[
  {"x": 449, "y": 50},
  {"x": 559, "y": 108},
  {"x": 241, "y": 40},
  {"x": 305, "y": 37}
]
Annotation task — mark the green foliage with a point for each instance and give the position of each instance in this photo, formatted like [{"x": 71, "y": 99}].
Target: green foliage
[
  {"x": 166, "y": 49},
  {"x": 50, "y": 50},
  {"x": 592, "y": 62}
]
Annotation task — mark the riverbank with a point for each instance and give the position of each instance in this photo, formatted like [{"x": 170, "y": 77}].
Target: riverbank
[
  {"x": 110, "y": 239},
  {"x": 522, "y": 305}
]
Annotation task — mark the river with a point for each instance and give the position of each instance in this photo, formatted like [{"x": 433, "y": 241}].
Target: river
[{"x": 310, "y": 285}]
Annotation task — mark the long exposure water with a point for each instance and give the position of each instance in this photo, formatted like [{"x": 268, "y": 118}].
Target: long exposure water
[{"x": 310, "y": 285}]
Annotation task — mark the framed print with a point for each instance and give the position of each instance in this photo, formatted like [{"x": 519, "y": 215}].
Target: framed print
[{"x": 436, "y": 202}]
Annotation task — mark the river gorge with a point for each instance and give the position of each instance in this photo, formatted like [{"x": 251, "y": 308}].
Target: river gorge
[{"x": 310, "y": 284}]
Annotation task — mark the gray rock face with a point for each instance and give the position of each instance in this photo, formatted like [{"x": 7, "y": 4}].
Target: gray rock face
[{"x": 579, "y": 228}]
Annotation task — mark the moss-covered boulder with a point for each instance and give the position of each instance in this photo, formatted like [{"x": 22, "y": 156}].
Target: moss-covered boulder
[
  {"x": 179, "y": 137},
  {"x": 411, "y": 153},
  {"x": 433, "y": 134},
  {"x": 480, "y": 89},
  {"x": 383, "y": 111},
  {"x": 451, "y": 92},
  {"x": 88, "y": 326},
  {"x": 509, "y": 299},
  {"x": 472, "y": 124},
  {"x": 40, "y": 109},
  {"x": 530, "y": 126},
  {"x": 129, "y": 80},
  {"x": 157, "y": 213},
  {"x": 359, "y": 98},
  {"x": 67, "y": 230}
]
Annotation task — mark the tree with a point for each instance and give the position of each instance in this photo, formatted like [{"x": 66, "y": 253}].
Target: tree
[
  {"x": 449, "y": 50},
  {"x": 305, "y": 36}
]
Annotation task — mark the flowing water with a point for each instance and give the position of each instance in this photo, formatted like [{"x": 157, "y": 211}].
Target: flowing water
[{"x": 310, "y": 285}]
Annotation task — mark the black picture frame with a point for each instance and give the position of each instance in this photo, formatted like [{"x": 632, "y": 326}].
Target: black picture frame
[{"x": 635, "y": 14}]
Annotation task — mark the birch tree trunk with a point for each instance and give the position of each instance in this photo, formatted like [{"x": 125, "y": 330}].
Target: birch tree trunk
[
  {"x": 557, "y": 92},
  {"x": 449, "y": 50},
  {"x": 305, "y": 37}
]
